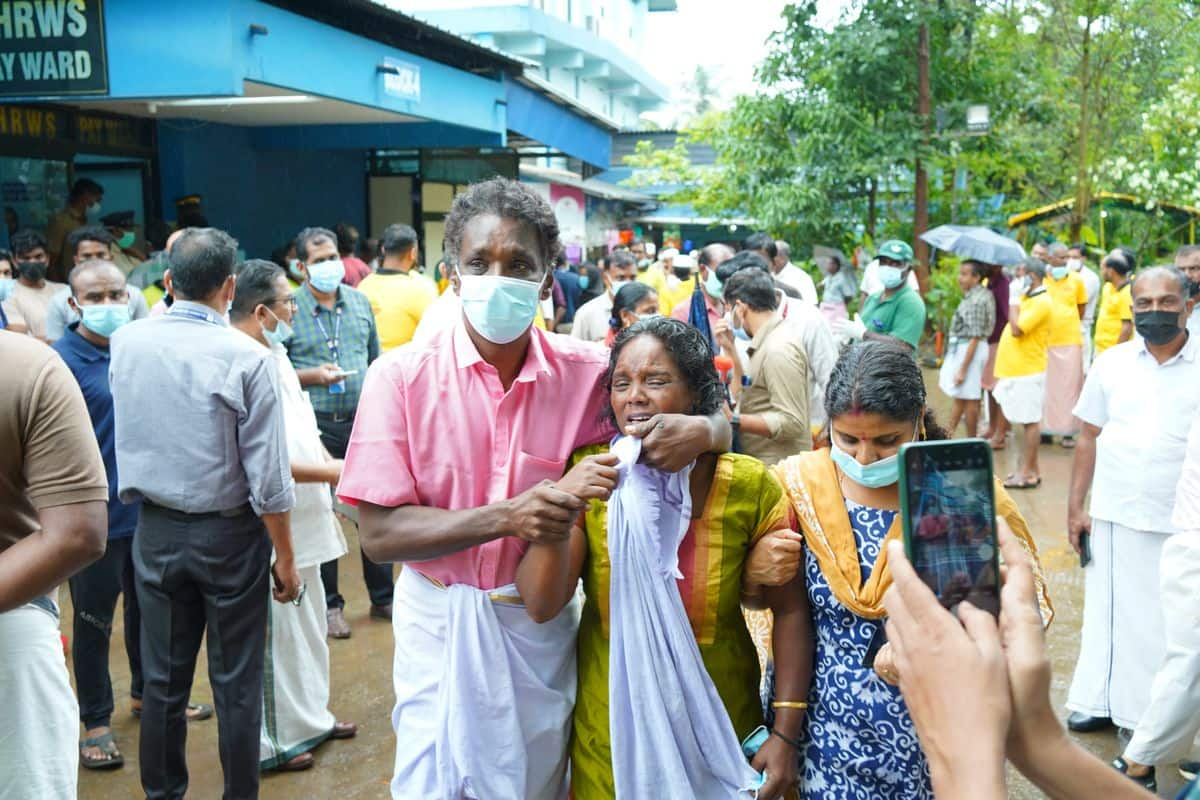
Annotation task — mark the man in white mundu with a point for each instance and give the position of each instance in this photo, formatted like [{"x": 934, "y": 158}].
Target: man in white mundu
[
  {"x": 296, "y": 716},
  {"x": 1137, "y": 405},
  {"x": 452, "y": 460}
]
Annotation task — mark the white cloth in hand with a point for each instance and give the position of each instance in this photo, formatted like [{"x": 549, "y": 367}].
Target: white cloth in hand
[{"x": 671, "y": 728}]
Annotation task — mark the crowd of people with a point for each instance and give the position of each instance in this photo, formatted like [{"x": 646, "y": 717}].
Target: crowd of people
[{"x": 647, "y": 510}]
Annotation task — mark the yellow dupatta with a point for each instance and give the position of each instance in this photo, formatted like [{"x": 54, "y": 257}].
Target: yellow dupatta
[{"x": 811, "y": 483}]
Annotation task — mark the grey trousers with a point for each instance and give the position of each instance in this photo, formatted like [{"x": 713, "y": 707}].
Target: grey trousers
[{"x": 192, "y": 572}]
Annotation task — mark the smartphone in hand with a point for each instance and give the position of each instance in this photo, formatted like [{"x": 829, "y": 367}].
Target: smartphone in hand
[
  {"x": 1085, "y": 548},
  {"x": 948, "y": 511}
]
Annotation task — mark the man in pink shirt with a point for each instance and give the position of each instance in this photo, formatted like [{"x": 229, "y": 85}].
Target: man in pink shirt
[{"x": 483, "y": 694}]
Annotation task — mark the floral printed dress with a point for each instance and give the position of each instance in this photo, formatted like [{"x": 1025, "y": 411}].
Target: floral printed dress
[{"x": 859, "y": 739}]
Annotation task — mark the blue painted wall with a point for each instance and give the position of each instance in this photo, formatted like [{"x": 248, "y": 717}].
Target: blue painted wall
[
  {"x": 180, "y": 48},
  {"x": 261, "y": 197}
]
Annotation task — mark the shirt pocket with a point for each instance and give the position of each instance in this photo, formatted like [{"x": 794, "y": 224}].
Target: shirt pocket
[{"x": 529, "y": 470}]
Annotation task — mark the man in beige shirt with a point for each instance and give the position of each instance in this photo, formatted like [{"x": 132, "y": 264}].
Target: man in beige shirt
[
  {"x": 29, "y": 304},
  {"x": 53, "y": 523},
  {"x": 772, "y": 413},
  {"x": 85, "y": 196}
]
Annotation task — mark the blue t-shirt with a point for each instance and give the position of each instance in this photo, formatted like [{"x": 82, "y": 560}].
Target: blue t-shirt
[
  {"x": 569, "y": 282},
  {"x": 89, "y": 364}
]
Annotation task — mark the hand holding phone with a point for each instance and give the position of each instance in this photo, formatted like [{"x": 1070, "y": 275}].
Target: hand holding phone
[
  {"x": 1085, "y": 548},
  {"x": 948, "y": 510}
]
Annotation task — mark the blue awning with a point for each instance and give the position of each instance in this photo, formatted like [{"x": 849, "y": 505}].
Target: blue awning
[{"x": 537, "y": 117}]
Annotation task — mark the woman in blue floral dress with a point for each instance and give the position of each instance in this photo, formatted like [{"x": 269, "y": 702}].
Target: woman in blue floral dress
[{"x": 859, "y": 740}]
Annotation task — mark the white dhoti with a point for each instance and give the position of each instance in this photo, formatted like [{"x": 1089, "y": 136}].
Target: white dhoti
[
  {"x": 1172, "y": 718},
  {"x": 39, "y": 740},
  {"x": 1064, "y": 382},
  {"x": 1122, "y": 642},
  {"x": 972, "y": 387},
  {"x": 296, "y": 716},
  {"x": 1021, "y": 398},
  {"x": 484, "y": 694}
]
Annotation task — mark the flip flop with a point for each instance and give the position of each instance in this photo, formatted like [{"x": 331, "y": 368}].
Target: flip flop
[
  {"x": 1013, "y": 482},
  {"x": 107, "y": 746}
]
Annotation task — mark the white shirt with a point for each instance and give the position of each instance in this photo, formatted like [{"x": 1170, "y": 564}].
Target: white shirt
[
  {"x": 1187, "y": 497},
  {"x": 591, "y": 319},
  {"x": 871, "y": 284},
  {"x": 1193, "y": 322},
  {"x": 1091, "y": 282},
  {"x": 316, "y": 535},
  {"x": 799, "y": 280},
  {"x": 1144, "y": 410}
]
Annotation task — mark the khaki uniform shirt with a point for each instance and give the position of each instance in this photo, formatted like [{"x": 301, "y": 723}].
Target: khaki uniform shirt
[{"x": 778, "y": 393}]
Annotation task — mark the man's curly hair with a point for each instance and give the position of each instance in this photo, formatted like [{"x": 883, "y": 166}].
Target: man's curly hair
[{"x": 507, "y": 199}]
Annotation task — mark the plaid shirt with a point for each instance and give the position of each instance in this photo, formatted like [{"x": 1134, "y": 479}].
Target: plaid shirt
[
  {"x": 357, "y": 344},
  {"x": 975, "y": 316}
]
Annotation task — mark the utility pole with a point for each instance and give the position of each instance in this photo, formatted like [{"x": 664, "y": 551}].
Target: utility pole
[{"x": 921, "y": 190}]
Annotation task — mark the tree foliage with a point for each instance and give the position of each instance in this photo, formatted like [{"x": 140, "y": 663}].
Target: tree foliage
[{"x": 827, "y": 146}]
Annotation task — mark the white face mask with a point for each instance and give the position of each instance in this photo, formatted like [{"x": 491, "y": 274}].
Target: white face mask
[{"x": 1074, "y": 264}]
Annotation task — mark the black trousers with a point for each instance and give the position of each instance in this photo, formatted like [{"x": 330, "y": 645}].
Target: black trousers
[
  {"x": 94, "y": 593},
  {"x": 196, "y": 572},
  {"x": 335, "y": 435}
]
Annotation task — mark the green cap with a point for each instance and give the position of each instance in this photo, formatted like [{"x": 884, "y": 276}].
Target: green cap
[{"x": 896, "y": 250}]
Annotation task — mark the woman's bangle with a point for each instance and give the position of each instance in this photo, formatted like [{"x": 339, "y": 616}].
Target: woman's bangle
[
  {"x": 795, "y": 744},
  {"x": 788, "y": 704}
]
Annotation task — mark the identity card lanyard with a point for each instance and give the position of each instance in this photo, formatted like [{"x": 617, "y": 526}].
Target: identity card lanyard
[
  {"x": 194, "y": 313},
  {"x": 332, "y": 343}
]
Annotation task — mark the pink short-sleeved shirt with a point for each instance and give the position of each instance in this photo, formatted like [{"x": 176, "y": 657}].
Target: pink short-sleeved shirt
[{"x": 436, "y": 428}]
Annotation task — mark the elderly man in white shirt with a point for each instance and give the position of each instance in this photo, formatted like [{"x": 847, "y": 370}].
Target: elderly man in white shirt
[
  {"x": 1172, "y": 719},
  {"x": 1137, "y": 406},
  {"x": 787, "y": 272},
  {"x": 296, "y": 717}
]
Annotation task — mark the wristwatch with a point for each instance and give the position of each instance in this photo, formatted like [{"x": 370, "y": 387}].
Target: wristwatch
[{"x": 735, "y": 421}]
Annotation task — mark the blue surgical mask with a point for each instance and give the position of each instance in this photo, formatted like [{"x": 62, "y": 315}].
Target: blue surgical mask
[
  {"x": 876, "y": 475},
  {"x": 1059, "y": 272},
  {"x": 6, "y": 288},
  {"x": 584, "y": 280},
  {"x": 327, "y": 275},
  {"x": 712, "y": 285},
  {"x": 282, "y": 331},
  {"x": 294, "y": 270},
  {"x": 105, "y": 318},
  {"x": 738, "y": 330},
  {"x": 126, "y": 241},
  {"x": 891, "y": 277},
  {"x": 499, "y": 309}
]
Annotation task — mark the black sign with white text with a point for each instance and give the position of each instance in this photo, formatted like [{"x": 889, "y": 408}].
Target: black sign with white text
[{"x": 52, "y": 47}]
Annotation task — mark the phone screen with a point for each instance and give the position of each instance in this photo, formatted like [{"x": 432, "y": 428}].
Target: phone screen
[{"x": 950, "y": 521}]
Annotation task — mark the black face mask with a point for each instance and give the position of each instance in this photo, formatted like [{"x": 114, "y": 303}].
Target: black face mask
[
  {"x": 683, "y": 273},
  {"x": 1157, "y": 327},
  {"x": 32, "y": 270},
  {"x": 1193, "y": 288}
]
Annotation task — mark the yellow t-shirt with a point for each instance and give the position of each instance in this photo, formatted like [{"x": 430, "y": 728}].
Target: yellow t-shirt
[
  {"x": 653, "y": 277},
  {"x": 1116, "y": 306},
  {"x": 1068, "y": 295},
  {"x": 669, "y": 298},
  {"x": 1018, "y": 356},
  {"x": 398, "y": 301}
]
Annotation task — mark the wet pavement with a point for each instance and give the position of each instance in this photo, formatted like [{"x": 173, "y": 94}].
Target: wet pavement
[{"x": 360, "y": 768}]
